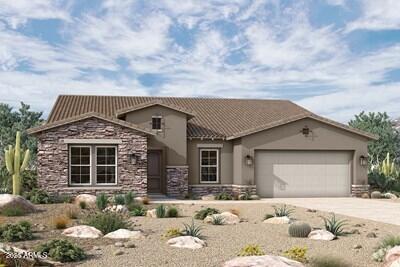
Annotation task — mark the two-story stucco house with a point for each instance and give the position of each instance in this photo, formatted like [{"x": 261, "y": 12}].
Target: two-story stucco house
[{"x": 172, "y": 146}]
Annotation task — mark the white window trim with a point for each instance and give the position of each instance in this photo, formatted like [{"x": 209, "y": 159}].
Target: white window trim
[
  {"x": 116, "y": 166},
  {"x": 217, "y": 166},
  {"x": 157, "y": 117},
  {"x": 70, "y": 165}
]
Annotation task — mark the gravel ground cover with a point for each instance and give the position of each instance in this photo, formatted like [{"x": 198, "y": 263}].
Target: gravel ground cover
[{"x": 223, "y": 242}]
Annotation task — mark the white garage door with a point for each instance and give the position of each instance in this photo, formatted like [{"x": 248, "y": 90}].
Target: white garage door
[{"x": 303, "y": 173}]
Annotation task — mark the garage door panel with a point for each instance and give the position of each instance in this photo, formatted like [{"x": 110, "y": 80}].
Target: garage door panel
[{"x": 303, "y": 173}]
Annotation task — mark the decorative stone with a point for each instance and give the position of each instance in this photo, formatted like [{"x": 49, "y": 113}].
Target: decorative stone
[
  {"x": 321, "y": 235},
  {"x": 96, "y": 248},
  {"x": 278, "y": 220},
  {"x": 389, "y": 196},
  {"x": 118, "y": 252},
  {"x": 371, "y": 235},
  {"x": 254, "y": 197},
  {"x": 262, "y": 261},
  {"x": 228, "y": 218},
  {"x": 139, "y": 200},
  {"x": 119, "y": 244},
  {"x": 189, "y": 242},
  {"x": 365, "y": 195},
  {"x": 129, "y": 244},
  {"x": 14, "y": 201},
  {"x": 358, "y": 246},
  {"x": 117, "y": 209},
  {"x": 151, "y": 213},
  {"x": 311, "y": 210},
  {"x": 82, "y": 231},
  {"x": 393, "y": 254},
  {"x": 87, "y": 198},
  {"x": 355, "y": 231},
  {"x": 125, "y": 234},
  {"x": 208, "y": 197}
]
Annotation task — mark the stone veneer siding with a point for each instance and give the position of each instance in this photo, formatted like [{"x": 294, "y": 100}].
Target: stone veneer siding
[
  {"x": 358, "y": 190},
  {"x": 205, "y": 189},
  {"x": 177, "y": 181},
  {"x": 53, "y": 157}
]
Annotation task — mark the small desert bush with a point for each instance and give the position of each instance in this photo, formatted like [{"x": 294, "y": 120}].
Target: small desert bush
[
  {"x": 62, "y": 250},
  {"x": 387, "y": 243},
  {"x": 16, "y": 232},
  {"x": 172, "y": 232},
  {"x": 203, "y": 213},
  {"x": 13, "y": 211},
  {"x": 282, "y": 211},
  {"x": 82, "y": 205},
  {"x": 235, "y": 211},
  {"x": 172, "y": 212},
  {"x": 101, "y": 201},
  {"x": 107, "y": 222},
  {"x": 223, "y": 196},
  {"x": 192, "y": 230},
  {"x": 119, "y": 199},
  {"x": 245, "y": 196},
  {"x": 161, "y": 211},
  {"x": 297, "y": 254},
  {"x": 251, "y": 250},
  {"x": 334, "y": 225},
  {"x": 37, "y": 196},
  {"x": 61, "y": 222},
  {"x": 129, "y": 198},
  {"x": 217, "y": 220},
  {"x": 72, "y": 213},
  {"x": 137, "y": 210},
  {"x": 328, "y": 261}
]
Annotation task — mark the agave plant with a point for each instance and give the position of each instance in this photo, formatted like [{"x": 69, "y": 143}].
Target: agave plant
[
  {"x": 192, "y": 230},
  {"x": 283, "y": 211},
  {"x": 217, "y": 220},
  {"x": 334, "y": 225}
]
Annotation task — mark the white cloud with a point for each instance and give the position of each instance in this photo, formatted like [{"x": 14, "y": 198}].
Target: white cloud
[{"x": 377, "y": 15}]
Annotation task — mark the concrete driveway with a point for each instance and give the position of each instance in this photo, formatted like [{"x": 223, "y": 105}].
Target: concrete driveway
[{"x": 376, "y": 210}]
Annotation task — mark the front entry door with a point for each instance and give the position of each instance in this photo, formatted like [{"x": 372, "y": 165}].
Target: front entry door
[{"x": 154, "y": 172}]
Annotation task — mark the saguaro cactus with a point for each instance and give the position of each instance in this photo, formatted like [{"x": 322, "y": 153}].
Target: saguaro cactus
[{"x": 13, "y": 163}]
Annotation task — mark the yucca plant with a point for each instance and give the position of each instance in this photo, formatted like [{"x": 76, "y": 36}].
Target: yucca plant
[
  {"x": 101, "y": 201},
  {"x": 192, "y": 230},
  {"x": 161, "y": 211},
  {"x": 14, "y": 166},
  {"x": 282, "y": 211},
  {"x": 334, "y": 225},
  {"x": 217, "y": 220},
  {"x": 388, "y": 167}
]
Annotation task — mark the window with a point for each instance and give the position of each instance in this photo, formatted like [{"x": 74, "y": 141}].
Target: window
[
  {"x": 93, "y": 165},
  {"x": 105, "y": 165},
  {"x": 156, "y": 122},
  {"x": 80, "y": 163},
  {"x": 209, "y": 172}
]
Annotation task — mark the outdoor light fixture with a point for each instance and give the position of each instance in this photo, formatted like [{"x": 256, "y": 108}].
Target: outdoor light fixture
[
  {"x": 363, "y": 160},
  {"x": 305, "y": 131},
  {"x": 248, "y": 160},
  {"x": 133, "y": 158}
]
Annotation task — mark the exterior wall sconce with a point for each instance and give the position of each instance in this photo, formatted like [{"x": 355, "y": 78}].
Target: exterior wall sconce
[
  {"x": 248, "y": 160},
  {"x": 133, "y": 158},
  {"x": 305, "y": 131},
  {"x": 363, "y": 160}
]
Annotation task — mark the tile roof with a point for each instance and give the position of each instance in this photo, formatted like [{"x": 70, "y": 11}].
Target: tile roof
[{"x": 211, "y": 117}]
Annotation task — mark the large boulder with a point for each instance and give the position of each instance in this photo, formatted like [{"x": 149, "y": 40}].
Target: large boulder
[
  {"x": 82, "y": 231},
  {"x": 186, "y": 242},
  {"x": 262, "y": 261},
  {"x": 393, "y": 254},
  {"x": 228, "y": 218},
  {"x": 87, "y": 198},
  {"x": 278, "y": 220},
  {"x": 321, "y": 235},
  {"x": 395, "y": 263},
  {"x": 125, "y": 234},
  {"x": 151, "y": 213},
  {"x": 390, "y": 196},
  {"x": 14, "y": 201}
]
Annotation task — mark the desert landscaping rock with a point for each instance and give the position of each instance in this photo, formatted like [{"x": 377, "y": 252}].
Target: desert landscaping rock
[
  {"x": 189, "y": 242},
  {"x": 358, "y": 246},
  {"x": 390, "y": 196},
  {"x": 117, "y": 209},
  {"x": 262, "y": 261},
  {"x": 82, "y": 231},
  {"x": 151, "y": 213},
  {"x": 118, "y": 252},
  {"x": 13, "y": 201},
  {"x": 277, "y": 220},
  {"x": 119, "y": 244},
  {"x": 208, "y": 197},
  {"x": 125, "y": 234},
  {"x": 392, "y": 254},
  {"x": 139, "y": 200},
  {"x": 371, "y": 235},
  {"x": 254, "y": 197},
  {"x": 227, "y": 217},
  {"x": 321, "y": 235},
  {"x": 87, "y": 198},
  {"x": 129, "y": 244}
]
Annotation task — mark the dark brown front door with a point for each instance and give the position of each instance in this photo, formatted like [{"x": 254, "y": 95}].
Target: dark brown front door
[{"x": 154, "y": 172}]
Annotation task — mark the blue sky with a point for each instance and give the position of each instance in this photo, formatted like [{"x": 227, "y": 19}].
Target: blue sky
[{"x": 334, "y": 57}]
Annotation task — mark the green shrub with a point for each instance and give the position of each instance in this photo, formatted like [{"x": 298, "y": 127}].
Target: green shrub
[
  {"x": 62, "y": 250},
  {"x": 138, "y": 210},
  {"x": 119, "y": 200},
  {"x": 37, "y": 196},
  {"x": 245, "y": 196},
  {"x": 251, "y": 250},
  {"x": 268, "y": 216},
  {"x": 107, "y": 222},
  {"x": 282, "y": 211},
  {"x": 13, "y": 211},
  {"x": 299, "y": 229},
  {"x": 172, "y": 232},
  {"x": 172, "y": 212},
  {"x": 129, "y": 198},
  {"x": 376, "y": 194},
  {"x": 82, "y": 205},
  {"x": 224, "y": 196},
  {"x": 203, "y": 213},
  {"x": 61, "y": 199},
  {"x": 328, "y": 261},
  {"x": 333, "y": 225},
  {"x": 217, "y": 220},
  {"x": 16, "y": 232},
  {"x": 161, "y": 211},
  {"x": 297, "y": 254},
  {"x": 192, "y": 230},
  {"x": 101, "y": 201}
]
